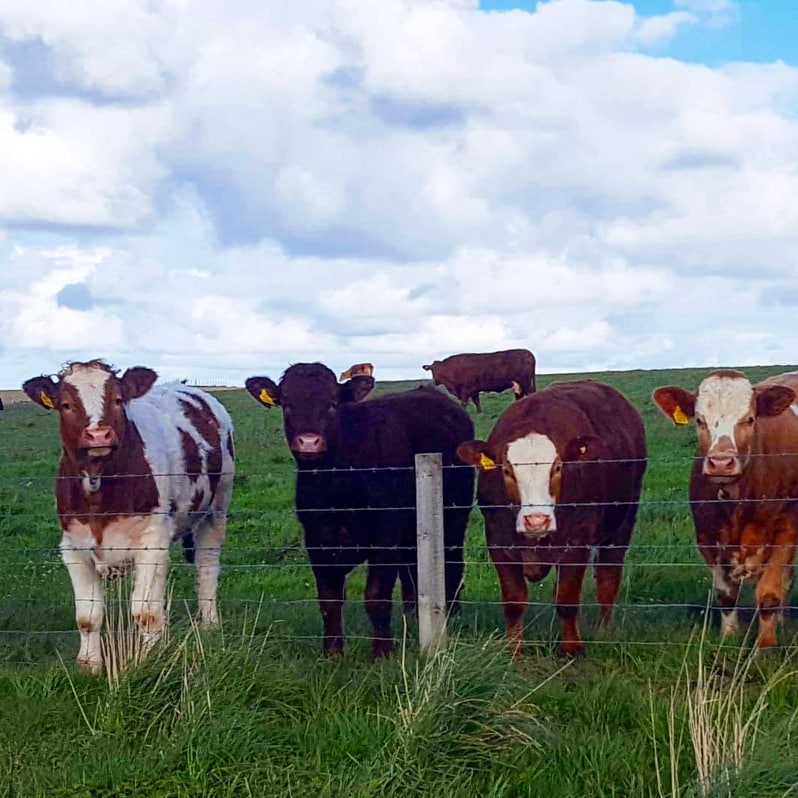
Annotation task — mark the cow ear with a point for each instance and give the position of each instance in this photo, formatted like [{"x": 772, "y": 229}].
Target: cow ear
[
  {"x": 427, "y": 367},
  {"x": 42, "y": 390},
  {"x": 263, "y": 390},
  {"x": 676, "y": 403},
  {"x": 356, "y": 389},
  {"x": 477, "y": 453},
  {"x": 773, "y": 400},
  {"x": 137, "y": 381}
]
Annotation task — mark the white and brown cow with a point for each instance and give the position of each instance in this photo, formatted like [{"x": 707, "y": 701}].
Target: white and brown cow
[
  {"x": 140, "y": 466},
  {"x": 744, "y": 486}
]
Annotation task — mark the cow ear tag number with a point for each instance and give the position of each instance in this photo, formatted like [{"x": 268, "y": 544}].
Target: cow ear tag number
[
  {"x": 485, "y": 463},
  {"x": 265, "y": 397},
  {"x": 46, "y": 400},
  {"x": 679, "y": 416}
]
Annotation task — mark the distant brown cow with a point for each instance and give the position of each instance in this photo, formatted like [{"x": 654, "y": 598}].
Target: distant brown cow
[
  {"x": 744, "y": 486},
  {"x": 464, "y": 376},
  {"x": 358, "y": 370},
  {"x": 560, "y": 475}
]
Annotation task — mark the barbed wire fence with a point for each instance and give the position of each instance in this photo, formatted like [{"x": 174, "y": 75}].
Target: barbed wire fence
[{"x": 31, "y": 562}]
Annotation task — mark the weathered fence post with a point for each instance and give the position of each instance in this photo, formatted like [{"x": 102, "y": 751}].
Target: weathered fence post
[{"x": 431, "y": 552}]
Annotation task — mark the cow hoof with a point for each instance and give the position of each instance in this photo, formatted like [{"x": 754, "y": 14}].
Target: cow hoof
[
  {"x": 381, "y": 649},
  {"x": 333, "y": 653},
  {"x": 91, "y": 666},
  {"x": 571, "y": 648}
]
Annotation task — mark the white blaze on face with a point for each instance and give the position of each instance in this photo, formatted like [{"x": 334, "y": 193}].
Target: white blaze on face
[
  {"x": 532, "y": 458},
  {"x": 722, "y": 402},
  {"x": 89, "y": 383}
]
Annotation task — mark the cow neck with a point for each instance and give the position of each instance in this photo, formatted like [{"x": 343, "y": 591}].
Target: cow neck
[{"x": 123, "y": 486}]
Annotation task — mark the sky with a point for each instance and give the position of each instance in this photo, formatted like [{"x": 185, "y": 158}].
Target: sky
[{"x": 221, "y": 188}]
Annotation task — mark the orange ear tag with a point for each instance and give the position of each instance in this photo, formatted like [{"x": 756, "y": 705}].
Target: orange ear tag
[
  {"x": 265, "y": 397},
  {"x": 46, "y": 400},
  {"x": 485, "y": 463},
  {"x": 679, "y": 416}
]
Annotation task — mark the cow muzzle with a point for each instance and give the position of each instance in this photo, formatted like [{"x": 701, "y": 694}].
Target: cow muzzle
[
  {"x": 534, "y": 524},
  {"x": 722, "y": 466},
  {"x": 309, "y": 443},
  {"x": 98, "y": 441}
]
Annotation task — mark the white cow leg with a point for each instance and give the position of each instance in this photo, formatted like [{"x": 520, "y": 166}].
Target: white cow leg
[
  {"x": 209, "y": 537},
  {"x": 89, "y": 604},
  {"x": 148, "y": 599}
]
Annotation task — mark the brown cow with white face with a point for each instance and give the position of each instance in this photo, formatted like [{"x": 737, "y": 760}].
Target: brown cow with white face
[
  {"x": 743, "y": 486},
  {"x": 560, "y": 477},
  {"x": 141, "y": 466}
]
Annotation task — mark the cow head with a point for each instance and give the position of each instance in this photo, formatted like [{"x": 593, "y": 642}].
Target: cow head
[
  {"x": 359, "y": 369},
  {"x": 90, "y": 399},
  {"x": 726, "y": 409},
  {"x": 310, "y": 397},
  {"x": 537, "y": 477},
  {"x": 433, "y": 367}
]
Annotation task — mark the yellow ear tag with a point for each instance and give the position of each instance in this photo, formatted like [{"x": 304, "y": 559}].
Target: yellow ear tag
[
  {"x": 485, "y": 463},
  {"x": 679, "y": 416},
  {"x": 265, "y": 397},
  {"x": 46, "y": 400}
]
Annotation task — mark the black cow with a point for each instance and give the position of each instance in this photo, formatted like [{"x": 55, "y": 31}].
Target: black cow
[{"x": 366, "y": 510}]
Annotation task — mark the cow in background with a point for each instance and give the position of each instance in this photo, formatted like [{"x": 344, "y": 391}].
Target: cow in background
[
  {"x": 355, "y": 486},
  {"x": 743, "y": 486},
  {"x": 466, "y": 375},
  {"x": 358, "y": 370},
  {"x": 560, "y": 476},
  {"x": 140, "y": 466}
]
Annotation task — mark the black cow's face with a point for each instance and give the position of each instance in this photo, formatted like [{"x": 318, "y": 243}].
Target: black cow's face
[{"x": 310, "y": 397}]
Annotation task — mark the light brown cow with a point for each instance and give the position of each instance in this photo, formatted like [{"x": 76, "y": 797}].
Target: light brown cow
[
  {"x": 744, "y": 486},
  {"x": 358, "y": 370}
]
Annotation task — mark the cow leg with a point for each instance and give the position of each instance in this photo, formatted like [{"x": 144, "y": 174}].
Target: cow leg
[
  {"x": 475, "y": 400},
  {"x": 150, "y": 570},
  {"x": 408, "y": 582},
  {"x": 514, "y": 601},
  {"x": 331, "y": 592},
  {"x": 567, "y": 597},
  {"x": 89, "y": 605},
  {"x": 773, "y": 586},
  {"x": 379, "y": 605},
  {"x": 208, "y": 539},
  {"x": 619, "y": 523},
  {"x": 727, "y": 590}
]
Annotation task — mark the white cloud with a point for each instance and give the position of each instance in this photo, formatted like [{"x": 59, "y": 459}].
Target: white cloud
[{"x": 389, "y": 181}]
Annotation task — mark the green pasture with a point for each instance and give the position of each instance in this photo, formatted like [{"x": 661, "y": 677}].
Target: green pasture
[{"x": 254, "y": 710}]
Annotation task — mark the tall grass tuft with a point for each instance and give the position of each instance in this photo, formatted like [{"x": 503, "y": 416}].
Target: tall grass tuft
[{"x": 718, "y": 703}]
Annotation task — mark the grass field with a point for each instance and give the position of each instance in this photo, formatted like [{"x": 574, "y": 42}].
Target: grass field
[{"x": 254, "y": 710}]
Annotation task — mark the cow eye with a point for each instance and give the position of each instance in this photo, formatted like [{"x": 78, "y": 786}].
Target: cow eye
[
  {"x": 700, "y": 422},
  {"x": 118, "y": 401},
  {"x": 749, "y": 420},
  {"x": 557, "y": 469},
  {"x": 66, "y": 406}
]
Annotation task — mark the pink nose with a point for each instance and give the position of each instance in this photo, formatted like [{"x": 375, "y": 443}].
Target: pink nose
[
  {"x": 537, "y": 522},
  {"x": 722, "y": 466},
  {"x": 309, "y": 443},
  {"x": 98, "y": 437}
]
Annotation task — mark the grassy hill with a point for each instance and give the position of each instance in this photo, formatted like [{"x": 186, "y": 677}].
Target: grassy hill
[{"x": 254, "y": 710}]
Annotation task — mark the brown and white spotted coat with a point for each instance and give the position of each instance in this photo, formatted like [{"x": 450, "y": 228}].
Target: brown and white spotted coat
[
  {"x": 140, "y": 466},
  {"x": 744, "y": 486}
]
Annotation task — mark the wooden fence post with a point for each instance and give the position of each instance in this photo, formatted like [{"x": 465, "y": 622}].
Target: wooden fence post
[{"x": 431, "y": 552}]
